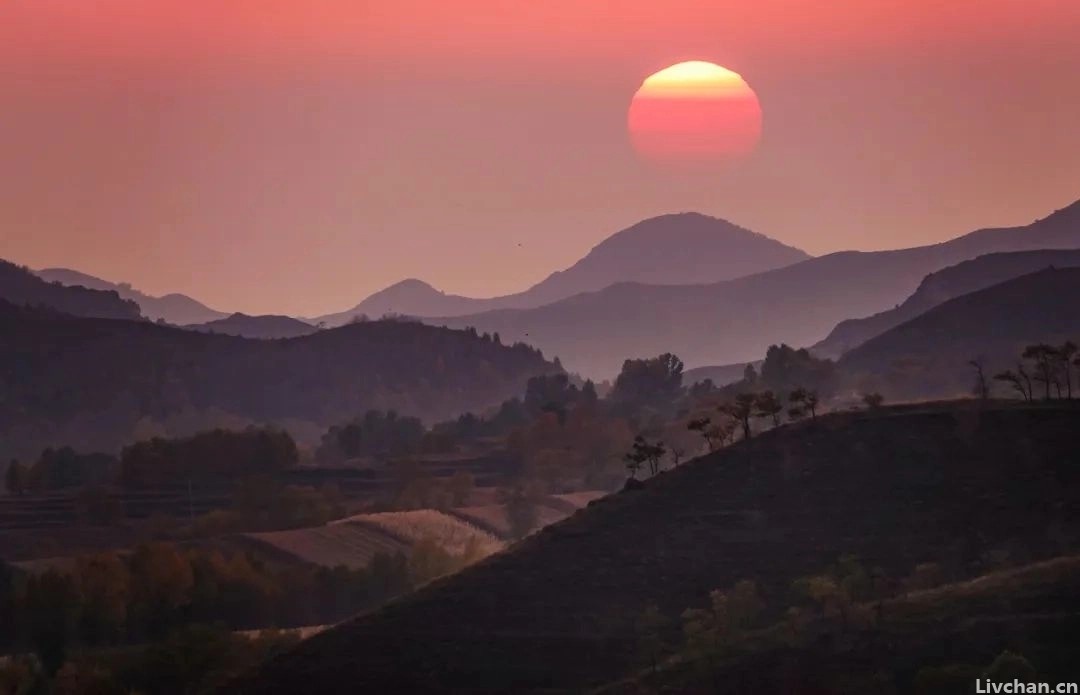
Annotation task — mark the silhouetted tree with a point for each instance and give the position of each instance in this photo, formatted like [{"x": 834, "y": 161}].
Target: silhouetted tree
[
  {"x": 981, "y": 388},
  {"x": 703, "y": 426},
  {"x": 785, "y": 367},
  {"x": 873, "y": 401},
  {"x": 1045, "y": 358},
  {"x": 767, "y": 405},
  {"x": 552, "y": 393},
  {"x": 1066, "y": 355},
  {"x": 656, "y": 381},
  {"x": 642, "y": 452},
  {"x": 1021, "y": 384},
  {"x": 741, "y": 411},
  {"x": 804, "y": 401}
]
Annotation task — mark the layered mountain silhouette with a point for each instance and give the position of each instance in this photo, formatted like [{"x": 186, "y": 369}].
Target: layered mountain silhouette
[
  {"x": 410, "y": 297},
  {"x": 264, "y": 327},
  {"x": 942, "y": 286},
  {"x": 177, "y": 309},
  {"x": 21, "y": 286},
  {"x": 677, "y": 249},
  {"x": 928, "y": 356},
  {"x": 734, "y": 321},
  {"x": 90, "y": 383}
]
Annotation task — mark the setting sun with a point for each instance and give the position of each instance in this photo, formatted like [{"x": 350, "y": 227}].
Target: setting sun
[{"x": 694, "y": 111}]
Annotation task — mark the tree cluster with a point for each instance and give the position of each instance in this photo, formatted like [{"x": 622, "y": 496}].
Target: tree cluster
[
  {"x": 1042, "y": 370},
  {"x": 112, "y": 598},
  {"x": 61, "y": 468},
  {"x": 378, "y": 435},
  {"x": 215, "y": 454}
]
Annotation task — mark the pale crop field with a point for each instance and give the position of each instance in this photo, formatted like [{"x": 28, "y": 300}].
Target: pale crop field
[{"x": 452, "y": 534}]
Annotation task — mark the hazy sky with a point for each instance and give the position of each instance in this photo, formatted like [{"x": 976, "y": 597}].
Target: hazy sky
[{"x": 283, "y": 156}]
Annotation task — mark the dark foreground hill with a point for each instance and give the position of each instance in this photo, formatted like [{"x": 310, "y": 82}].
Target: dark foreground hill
[
  {"x": 954, "y": 281},
  {"x": 736, "y": 320},
  {"x": 264, "y": 327},
  {"x": 22, "y": 287},
  {"x": 940, "y": 639},
  {"x": 677, "y": 249},
  {"x": 172, "y": 308},
  {"x": 928, "y": 356},
  {"x": 87, "y": 382},
  {"x": 948, "y": 483}
]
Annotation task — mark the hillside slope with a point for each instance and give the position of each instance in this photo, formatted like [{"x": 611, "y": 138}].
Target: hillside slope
[
  {"x": 21, "y": 287},
  {"x": 928, "y": 356},
  {"x": 735, "y": 321},
  {"x": 902, "y": 486},
  {"x": 678, "y": 249},
  {"x": 942, "y": 286},
  {"x": 87, "y": 382},
  {"x": 938, "y": 640},
  {"x": 173, "y": 308}
]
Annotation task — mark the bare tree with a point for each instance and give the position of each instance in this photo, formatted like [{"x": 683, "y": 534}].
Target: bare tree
[
  {"x": 1067, "y": 354},
  {"x": 1021, "y": 384},
  {"x": 981, "y": 388},
  {"x": 1045, "y": 359}
]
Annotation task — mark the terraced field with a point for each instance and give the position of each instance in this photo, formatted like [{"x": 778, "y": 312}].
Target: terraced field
[
  {"x": 351, "y": 545},
  {"x": 452, "y": 533},
  {"x": 493, "y": 517}
]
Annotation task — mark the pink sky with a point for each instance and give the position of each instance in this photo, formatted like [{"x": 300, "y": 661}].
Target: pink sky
[{"x": 275, "y": 156}]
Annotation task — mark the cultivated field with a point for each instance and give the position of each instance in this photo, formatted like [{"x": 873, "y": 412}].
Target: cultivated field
[
  {"x": 351, "y": 545},
  {"x": 451, "y": 533}
]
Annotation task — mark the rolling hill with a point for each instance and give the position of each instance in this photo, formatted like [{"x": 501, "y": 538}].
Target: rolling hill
[
  {"x": 941, "y": 286},
  {"x": 87, "y": 383},
  {"x": 736, "y": 320},
  {"x": 173, "y": 308},
  {"x": 676, "y": 249},
  {"x": 264, "y": 327},
  {"x": 928, "y": 356},
  {"x": 22, "y": 287},
  {"x": 946, "y": 483}
]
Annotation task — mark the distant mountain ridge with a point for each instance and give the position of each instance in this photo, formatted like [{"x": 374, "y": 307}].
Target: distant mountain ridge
[
  {"x": 173, "y": 308},
  {"x": 93, "y": 383},
  {"x": 941, "y": 286},
  {"x": 675, "y": 249},
  {"x": 262, "y": 327},
  {"x": 736, "y": 320},
  {"x": 21, "y": 286},
  {"x": 927, "y": 356}
]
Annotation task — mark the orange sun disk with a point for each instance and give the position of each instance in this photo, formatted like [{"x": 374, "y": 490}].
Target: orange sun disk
[{"x": 694, "y": 112}]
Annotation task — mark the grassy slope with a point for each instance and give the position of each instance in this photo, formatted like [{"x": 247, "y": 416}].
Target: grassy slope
[
  {"x": 942, "y": 482},
  {"x": 1033, "y": 610}
]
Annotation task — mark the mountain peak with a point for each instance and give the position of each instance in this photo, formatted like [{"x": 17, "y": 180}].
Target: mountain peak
[
  {"x": 683, "y": 248},
  {"x": 410, "y": 285}
]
